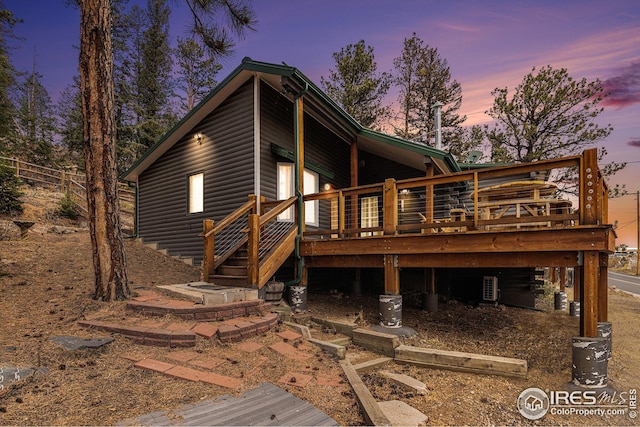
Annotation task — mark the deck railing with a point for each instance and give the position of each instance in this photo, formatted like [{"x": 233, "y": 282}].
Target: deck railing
[
  {"x": 565, "y": 192},
  {"x": 561, "y": 192}
]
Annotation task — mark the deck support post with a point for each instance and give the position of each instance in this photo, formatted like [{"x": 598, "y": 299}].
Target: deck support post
[
  {"x": 603, "y": 288},
  {"x": 589, "y": 294},
  {"x": 253, "y": 261},
  {"x": 390, "y": 207},
  {"x": 391, "y": 302},
  {"x": 574, "y": 306},
  {"x": 430, "y": 296},
  {"x": 589, "y": 365},
  {"x": 391, "y": 275},
  {"x": 590, "y": 352},
  {"x": 209, "y": 258}
]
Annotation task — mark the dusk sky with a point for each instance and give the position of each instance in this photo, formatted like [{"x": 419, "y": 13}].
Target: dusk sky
[{"x": 488, "y": 44}]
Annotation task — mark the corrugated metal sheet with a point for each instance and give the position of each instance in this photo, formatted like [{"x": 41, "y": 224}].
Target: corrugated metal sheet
[
  {"x": 225, "y": 156},
  {"x": 267, "y": 405}
]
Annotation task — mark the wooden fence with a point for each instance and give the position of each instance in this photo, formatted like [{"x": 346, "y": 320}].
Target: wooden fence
[{"x": 74, "y": 184}]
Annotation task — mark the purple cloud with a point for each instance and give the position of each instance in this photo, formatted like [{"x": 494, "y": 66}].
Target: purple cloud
[
  {"x": 624, "y": 89},
  {"x": 634, "y": 143}
]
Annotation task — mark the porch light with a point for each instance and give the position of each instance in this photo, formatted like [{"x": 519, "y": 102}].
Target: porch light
[
  {"x": 198, "y": 137},
  {"x": 326, "y": 186}
]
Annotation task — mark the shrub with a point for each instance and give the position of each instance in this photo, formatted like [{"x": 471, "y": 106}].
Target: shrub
[
  {"x": 66, "y": 208},
  {"x": 10, "y": 193}
]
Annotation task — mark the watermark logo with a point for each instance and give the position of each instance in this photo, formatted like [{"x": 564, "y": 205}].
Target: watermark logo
[{"x": 533, "y": 403}]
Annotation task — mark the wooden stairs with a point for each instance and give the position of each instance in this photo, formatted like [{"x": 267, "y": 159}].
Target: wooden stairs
[{"x": 233, "y": 271}]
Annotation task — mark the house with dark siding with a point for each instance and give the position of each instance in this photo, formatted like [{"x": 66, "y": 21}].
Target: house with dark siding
[
  {"x": 378, "y": 210},
  {"x": 268, "y": 169},
  {"x": 240, "y": 140}
]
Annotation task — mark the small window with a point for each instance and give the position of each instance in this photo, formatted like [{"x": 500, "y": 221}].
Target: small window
[{"x": 196, "y": 193}]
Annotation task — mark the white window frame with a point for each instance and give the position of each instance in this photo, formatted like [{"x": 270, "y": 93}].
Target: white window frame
[
  {"x": 286, "y": 189},
  {"x": 196, "y": 193}
]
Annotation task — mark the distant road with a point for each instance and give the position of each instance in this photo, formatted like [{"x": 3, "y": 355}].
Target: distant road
[{"x": 625, "y": 282}]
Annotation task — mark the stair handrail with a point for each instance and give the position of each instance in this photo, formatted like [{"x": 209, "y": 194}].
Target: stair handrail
[
  {"x": 250, "y": 205},
  {"x": 210, "y": 229},
  {"x": 277, "y": 210},
  {"x": 256, "y": 224}
]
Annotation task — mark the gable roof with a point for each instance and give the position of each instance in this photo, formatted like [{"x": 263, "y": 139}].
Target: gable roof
[{"x": 317, "y": 103}]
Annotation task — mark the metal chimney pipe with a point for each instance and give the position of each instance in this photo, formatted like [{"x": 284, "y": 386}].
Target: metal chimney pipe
[{"x": 437, "y": 118}]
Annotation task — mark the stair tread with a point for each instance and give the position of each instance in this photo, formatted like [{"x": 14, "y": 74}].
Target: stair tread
[{"x": 228, "y": 276}]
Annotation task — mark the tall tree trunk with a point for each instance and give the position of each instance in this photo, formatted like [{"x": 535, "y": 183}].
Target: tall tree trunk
[{"x": 99, "y": 142}]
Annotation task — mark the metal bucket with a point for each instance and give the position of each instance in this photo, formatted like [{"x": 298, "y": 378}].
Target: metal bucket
[
  {"x": 560, "y": 300},
  {"x": 590, "y": 362},
  {"x": 574, "y": 309},
  {"x": 298, "y": 298},
  {"x": 605, "y": 331},
  {"x": 391, "y": 311}
]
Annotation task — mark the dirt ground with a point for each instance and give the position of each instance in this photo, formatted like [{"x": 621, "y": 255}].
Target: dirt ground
[{"x": 46, "y": 283}]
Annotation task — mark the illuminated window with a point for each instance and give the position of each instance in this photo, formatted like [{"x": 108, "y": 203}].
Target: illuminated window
[
  {"x": 369, "y": 216},
  {"x": 196, "y": 193},
  {"x": 286, "y": 189}
]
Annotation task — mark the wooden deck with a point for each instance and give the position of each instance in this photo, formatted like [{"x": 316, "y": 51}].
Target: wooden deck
[{"x": 443, "y": 221}]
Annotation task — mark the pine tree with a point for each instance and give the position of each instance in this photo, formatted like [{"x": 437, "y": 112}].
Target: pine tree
[
  {"x": 357, "y": 86},
  {"x": 549, "y": 115},
  {"x": 127, "y": 31},
  {"x": 196, "y": 73},
  {"x": 69, "y": 122},
  {"x": 10, "y": 193},
  {"x": 155, "y": 85},
  {"x": 7, "y": 82},
  {"x": 423, "y": 78},
  {"x": 99, "y": 142},
  {"x": 36, "y": 123},
  {"x": 99, "y": 136}
]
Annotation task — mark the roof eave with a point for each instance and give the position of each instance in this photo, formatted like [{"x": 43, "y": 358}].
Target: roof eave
[{"x": 446, "y": 157}]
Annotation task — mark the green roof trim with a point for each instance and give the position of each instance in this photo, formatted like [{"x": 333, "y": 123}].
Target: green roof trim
[
  {"x": 283, "y": 152},
  {"x": 412, "y": 146}
]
